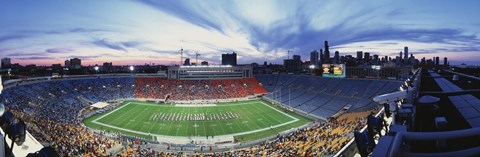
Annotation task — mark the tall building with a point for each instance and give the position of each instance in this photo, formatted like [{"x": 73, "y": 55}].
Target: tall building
[
  {"x": 204, "y": 63},
  {"x": 293, "y": 65},
  {"x": 297, "y": 58},
  {"x": 187, "y": 61},
  {"x": 289, "y": 65},
  {"x": 405, "y": 58},
  {"x": 366, "y": 56},
  {"x": 359, "y": 55},
  {"x": 437, "y": 60},
  {"x": 67, "y": 63},
  {"x": 314, "y": 57},
  {"x": 412, "y": 59},
  {"x": 75, "y": 63},
  {"x": 229, "y": 59},
  {"x": 336, "y": 58},
  {"x": 375, "y": 58},
  {"x": 327, "y": 53},
  {"x": 321, "y": 59},
  {"x": 56, "y": 67},
  {"x": 108, "y": 66},
  {"x": 6, "y": 62},
  {"x": 401, "y": 57},
  {"x": 445, "y": 61},
  {"x": 398, "y": 60}
]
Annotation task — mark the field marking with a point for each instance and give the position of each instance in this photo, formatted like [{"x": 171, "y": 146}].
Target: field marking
[
  {"x": 235, "y": 134},
  {"x": 95, "y": 120},
  {"x": 278, "y": 110}
]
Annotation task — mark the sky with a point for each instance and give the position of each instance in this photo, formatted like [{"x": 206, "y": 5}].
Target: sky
[{"x": 128, "y": 32}]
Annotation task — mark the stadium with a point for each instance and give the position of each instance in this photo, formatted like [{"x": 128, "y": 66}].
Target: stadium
[
  {"x": 235, "y": 78},
  {"x": 217, "y": 110}
]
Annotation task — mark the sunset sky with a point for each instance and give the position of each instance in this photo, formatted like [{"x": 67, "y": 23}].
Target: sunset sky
[{"x": 138, "y": 32}]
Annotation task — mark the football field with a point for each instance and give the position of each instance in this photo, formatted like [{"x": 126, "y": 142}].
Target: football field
[{"x": 245, "y": 120}]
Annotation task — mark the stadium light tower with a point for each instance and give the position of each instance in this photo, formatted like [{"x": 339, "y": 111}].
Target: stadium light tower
[
  {"x": 131, "y": 68},
  {"x": 181, "y": 56},
  {"x": 196, "y": 58},
  {"x": 96, "y": 68}
]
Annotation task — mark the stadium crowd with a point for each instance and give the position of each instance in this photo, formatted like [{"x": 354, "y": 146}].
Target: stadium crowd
[
  {"x": 159, "y": 88},
  {"x": 50, "y": 110}
]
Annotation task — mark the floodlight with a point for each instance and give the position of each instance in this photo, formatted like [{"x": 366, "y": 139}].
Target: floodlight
[
  {"x": 96, "y": 68},
  {"x": 131, "y": 68}
]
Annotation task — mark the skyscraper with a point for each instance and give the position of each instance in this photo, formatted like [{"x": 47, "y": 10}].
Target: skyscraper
[
  {"x": 401, "y": 57},
  {"x": 321, "y": 59},
  {"x": 405, "y": 58},
  {"x": 297, "y": 58},
  {"x": 293, "y": 65},
  {"x": 327, "y": 53},
  {"x": 6, "y": 62},
  {"x": 359, "y": 55},
  {"x": 314, "y": 57},
  {"x": 375, "y": 58},
  {"x": 445, "y": 61},
  {"x": 398, "y": 60},
  {"x": 67, "y": 63},
  {"x": 336, "y": 58},
  {"x": 366, "y": 56},
  {"x": 75, "y": 63},
  {"x": 229, "y": 59},
  {"x": 437, "y": 60}
]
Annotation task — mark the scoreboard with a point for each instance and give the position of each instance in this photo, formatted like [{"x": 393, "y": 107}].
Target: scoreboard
[{"x": 333, "y": 70}]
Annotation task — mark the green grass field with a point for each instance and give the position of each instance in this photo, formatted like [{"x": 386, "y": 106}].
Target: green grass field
[{"x": 246, "y": 120}]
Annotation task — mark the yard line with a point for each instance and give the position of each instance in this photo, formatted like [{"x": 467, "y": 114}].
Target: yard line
[
  {"x": 111, "y": 112},
  {"x": 234, "y": 134}
]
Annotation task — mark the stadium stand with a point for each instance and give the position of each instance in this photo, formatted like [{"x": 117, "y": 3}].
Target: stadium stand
[
  {"x": 51, "y": 109},
  {"x": 324, "y": 96},
  {"x": 159, "y": 88}
]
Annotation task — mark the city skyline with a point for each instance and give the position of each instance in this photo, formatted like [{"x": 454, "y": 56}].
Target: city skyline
[{"x": 139, "y": 32}]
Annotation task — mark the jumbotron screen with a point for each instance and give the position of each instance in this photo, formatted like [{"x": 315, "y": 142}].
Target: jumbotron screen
[{"x": 333, "y": 70}]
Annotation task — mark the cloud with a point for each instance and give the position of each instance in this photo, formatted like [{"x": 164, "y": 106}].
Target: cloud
[
  {"x": 12, "y": 37},
  {"x": 25, "y": 54},
  {"x": 110, "y": 45},
  {"x": 58, "y": 50},
  {"x": 132, "y": 44},
  {"x": 83, "y": 57},
  {"x": 86, "y": 30},
  {"x": 263, "y": 31},
  {"x": 34, "y": 58},
  {"x": 187, "y": 11}
]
